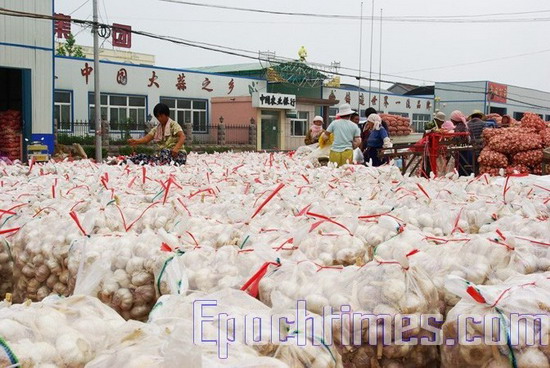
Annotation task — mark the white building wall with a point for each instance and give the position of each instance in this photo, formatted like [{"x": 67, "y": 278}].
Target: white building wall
[
  {"x": 463, "y": 96},
  {"x": 385, "y": 102},
  {"x": 469, "y": 96},
  {"x": 28, "y": 44},
  {"x": 68, "y": 72}
]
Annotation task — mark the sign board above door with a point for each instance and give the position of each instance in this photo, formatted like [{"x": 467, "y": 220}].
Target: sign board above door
[{"x": 273, "y": 101}]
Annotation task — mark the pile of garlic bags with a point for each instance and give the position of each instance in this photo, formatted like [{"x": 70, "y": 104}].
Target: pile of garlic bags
[{"x": 145, "y": 240}]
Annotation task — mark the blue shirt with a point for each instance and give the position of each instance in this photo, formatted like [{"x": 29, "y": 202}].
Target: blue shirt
[
  {"x": 376, "y": 138},
  {"x": 344, "y": 133}
]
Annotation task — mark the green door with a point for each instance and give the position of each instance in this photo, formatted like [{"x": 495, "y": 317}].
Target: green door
[{"x": 270, "y": 130}]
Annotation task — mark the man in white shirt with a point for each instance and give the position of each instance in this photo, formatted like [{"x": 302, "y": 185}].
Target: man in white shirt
[{"x": 347, "y": 136}]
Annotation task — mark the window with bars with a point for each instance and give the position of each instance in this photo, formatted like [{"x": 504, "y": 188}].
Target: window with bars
[
  {"x": 299, "y": 125},
  {"x": 189, "y": 111},
  {"x": 63, "y": 110},
  {"x": 419, "y": 120},
  {"x": 124, "y": 113}
]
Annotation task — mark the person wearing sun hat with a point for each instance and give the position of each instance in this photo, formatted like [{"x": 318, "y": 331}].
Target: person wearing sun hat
[
  {"x": 315, "y": 131},
  {"x": 476, "y": 126},
  {"x": 347, "y": 136},
  {"x": 436, "y": 123}
]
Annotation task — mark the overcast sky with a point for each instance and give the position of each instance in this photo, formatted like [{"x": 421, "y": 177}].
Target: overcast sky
[{"x": 407, "y": 47}]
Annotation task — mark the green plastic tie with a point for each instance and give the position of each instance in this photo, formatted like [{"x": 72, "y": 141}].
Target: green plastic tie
[
  {"x": 11, "y": 355},
  {"x": 162, "y": 272},
  {"x": 244, "y": 242}
]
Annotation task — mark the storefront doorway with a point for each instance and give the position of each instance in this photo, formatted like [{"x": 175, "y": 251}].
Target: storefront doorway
[
  {"x": 15, "y": 111},
  {"x": 270, "y": 129}
]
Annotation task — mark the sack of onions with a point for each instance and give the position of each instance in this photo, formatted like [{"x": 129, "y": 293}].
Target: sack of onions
[
  {"x": 533, "y": 121},
  {"x": 487, "y": 157},
  {"x": 528, "y": 158},
  {"x": 6, "y": 268}
]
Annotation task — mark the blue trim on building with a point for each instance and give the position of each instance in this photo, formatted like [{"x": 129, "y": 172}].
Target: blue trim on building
[
  {"x": 25, "y": 46},
  {"x": 53, "y": 77},
  {"x": 26, "y": 108},
  {"x": 485, "y": 104},
  {"x": 158, "y": 67},
  {"x": 453, "y": 101}
]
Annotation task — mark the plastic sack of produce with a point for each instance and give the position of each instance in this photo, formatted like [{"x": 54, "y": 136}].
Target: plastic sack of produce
[
  {"x": 504, "y": 323},
  {"x": 387, "y": 289},
  {"x": 6, "y": 267},
  {"x": 57, "y": 332},
  {"x": 41, "y": 258},
  {"x": 122, "y": 269},
  {"x": 171, "y": 310}
]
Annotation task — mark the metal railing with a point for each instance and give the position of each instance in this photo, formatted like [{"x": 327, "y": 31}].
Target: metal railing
[{"x": 83, "y": 132}]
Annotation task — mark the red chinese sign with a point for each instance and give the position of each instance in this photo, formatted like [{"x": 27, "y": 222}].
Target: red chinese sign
[
  {"x": 122, "y": 35},
  {"x": 62, "y": 25},
  {"x": 205, "y": 85},
  {"x": 348, "y": 98},
  {"x": 181, "y": 85},
  {"x": 231, "y": 86},
  {"x": 497, "y": 92},
  {"x": 122, "y": 77},
  {"x": 153, "y": 80},
  {"x": 86, "y": 71}
]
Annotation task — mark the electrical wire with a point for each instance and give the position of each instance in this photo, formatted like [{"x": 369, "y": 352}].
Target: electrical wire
[
  {"x": 474, "y": 62},
  {"x": 210, "y": 47},
  {"x": 77, "y": 9},
  {"x": 421, "y": 19}
]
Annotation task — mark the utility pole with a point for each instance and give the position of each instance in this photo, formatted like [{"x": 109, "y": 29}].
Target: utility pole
[
  {"x": 360, "y": 61},
  {"x": 371, "y": 49},
  {"x": 380, "y": 68},
  {"x": 97, "y": 91}
]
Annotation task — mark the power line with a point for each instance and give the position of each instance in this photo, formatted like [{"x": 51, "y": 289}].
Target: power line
[
  {"x": 475, "y": 62},
  {"x": 213, "y": 48},
  {"x": 77, "y": 9},
  {"x": 421, "y": 19}
]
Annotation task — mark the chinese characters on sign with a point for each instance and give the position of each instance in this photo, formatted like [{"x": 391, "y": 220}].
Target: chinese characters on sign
[
  {"x": 205, "y": 85},
  {"x": 408, "y": 103},
  {"x": 86, "y": 71},
  {"x": 386, "y": 102},
  {"x": 122, "y": 35},
  {"x": 428, "y": 105},
  {"x": 348, "y": 97},
  {"x": 362, "y": 99},
  {"x": 332, "y": 96},
  {"x": 231, "y": 85},
  {"x": 62, "y": 25},
  {"x": 122, "y": 77},
  {"x": 181, "y": 85},
  {"x": 419, "y": 104},
  {"x": 497, "y": 92},
  {"x": 153, "y": 80},
  {"x": 373, "y": 101},
  {"x": 274, "y": 100}
]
